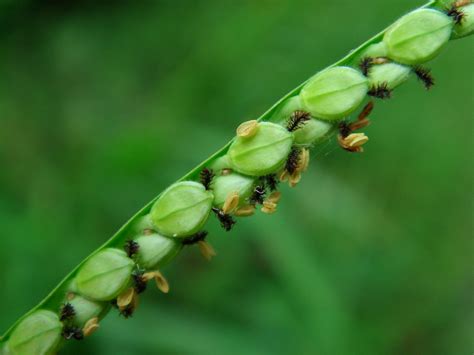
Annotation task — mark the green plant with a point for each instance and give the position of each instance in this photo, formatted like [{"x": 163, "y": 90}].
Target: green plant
[{"x": 371, "y": 57}]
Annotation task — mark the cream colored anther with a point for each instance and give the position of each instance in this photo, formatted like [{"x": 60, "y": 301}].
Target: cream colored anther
[{"x": 247, "y": 129}]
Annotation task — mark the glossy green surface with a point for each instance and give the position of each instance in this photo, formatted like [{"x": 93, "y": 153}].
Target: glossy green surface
[
  {"x": 370, "y": 254},
  {"x": 222, "y": 186},
  {"x": 156, "y": 250},
  {"x": 263, "y": 153},
  {"x": 105, "y": 275},
  {"x": 334, "y": 93},
  {"x": 418, "y": 37},
  {"x": 38, "y": 334},
  {"x": 466, "y": 27},
  {"x": 182, "y": 209},
  {"x": 391, "y": 73}
]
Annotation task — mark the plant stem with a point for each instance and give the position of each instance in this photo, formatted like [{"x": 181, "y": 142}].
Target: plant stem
[{"x": 55, "y": 298}]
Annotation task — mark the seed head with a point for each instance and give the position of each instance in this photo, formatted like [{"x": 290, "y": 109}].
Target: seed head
[
  {"x": 297, "y": 120},
  {"x": 424, "y": 75},
  {"x": 206, "y": 177}
]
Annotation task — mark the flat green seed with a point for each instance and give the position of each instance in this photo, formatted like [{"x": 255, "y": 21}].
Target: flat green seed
[
  {"x": 155, "y": 250},
  {"x": 334, "y": 93},
  {"x": 182, "y": 209},
  {"x": 38, "y": 334},
  {"x": 313, "y": 131},
  {"x": 391, "y": 73},
  {"x": 418, "y": 36},
  {"x": 263, "y": 153},
  {"x": 466, "y": 27},
  {"x": 105, "y": 275},
  {"x": 224, "y": 185},
  {"x": 86, "y": 309}
]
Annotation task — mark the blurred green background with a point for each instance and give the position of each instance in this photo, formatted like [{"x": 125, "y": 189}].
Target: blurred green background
[{"x": 104, "y": 104}]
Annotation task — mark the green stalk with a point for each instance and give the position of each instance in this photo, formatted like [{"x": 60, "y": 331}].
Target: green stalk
[{"x": 56, "y": 297}]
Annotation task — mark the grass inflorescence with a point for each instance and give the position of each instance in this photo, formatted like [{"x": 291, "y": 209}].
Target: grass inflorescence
[{"x": 234, "y": 182}]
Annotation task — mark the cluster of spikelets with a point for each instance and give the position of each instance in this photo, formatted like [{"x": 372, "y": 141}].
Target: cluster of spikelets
[{"x": 245, "y": 179}]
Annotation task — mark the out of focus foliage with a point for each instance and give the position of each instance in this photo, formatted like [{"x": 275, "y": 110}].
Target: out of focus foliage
[{"x": 104, "y": 104}]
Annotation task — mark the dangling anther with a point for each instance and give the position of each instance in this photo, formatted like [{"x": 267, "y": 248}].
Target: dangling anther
[
  {"x": 161, "y": 282},
  {"x": 297, "y": 162},
  {"x": 271, "y": 202},
  {"x": 247, "y": 129},
  {"x": 127, "y": 302},
  {"x": 353, "y": 142},
  {"x": 245, "y": 211},
  {"x": 206, "y": 249},
  {"x": 91, "y": 326},
  {"x": 231, "y": 202}
]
